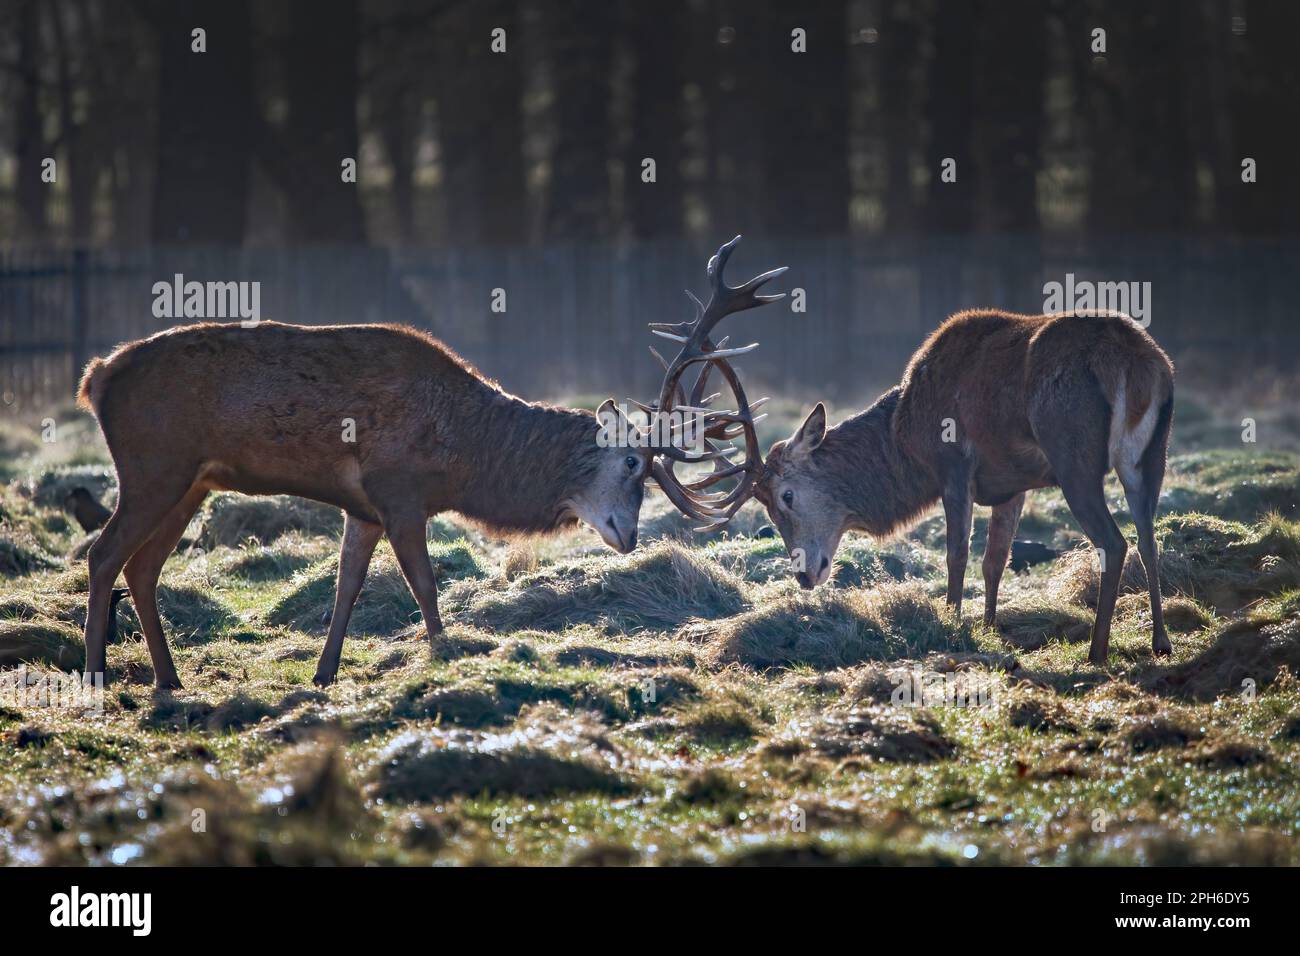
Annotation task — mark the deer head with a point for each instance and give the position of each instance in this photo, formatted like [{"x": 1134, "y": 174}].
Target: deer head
[
  {"x": 799, "y": 501},
  {"x": 609, "y": 500}
]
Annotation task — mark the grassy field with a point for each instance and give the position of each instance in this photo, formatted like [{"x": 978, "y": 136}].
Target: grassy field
[{"x": 684, "y": 704}]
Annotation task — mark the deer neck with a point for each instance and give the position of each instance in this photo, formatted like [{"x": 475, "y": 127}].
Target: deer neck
[
  {"x": 877, "y": 480},
  {"x": 528, "y": 459}
]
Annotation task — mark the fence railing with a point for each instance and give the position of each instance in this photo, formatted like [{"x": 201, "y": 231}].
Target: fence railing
[{"x": 575, "y": 314}]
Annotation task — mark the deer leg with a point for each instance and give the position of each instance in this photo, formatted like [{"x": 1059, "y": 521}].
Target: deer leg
[
  {"x": 359, "y": 540},
  {"x": 142, "y": 571},
  {"x": 957, "y": 519},
  {"x": 138, "y": 514},
  {"x": 1088, "y": 504},
  {"x": 1002, "y": 531},
  {"x": 406, "y": 534},
  {"x": 1142, "y": 505},
  {"x": 1142, "y": 489},
  {"x": 1072, "y": 426}
]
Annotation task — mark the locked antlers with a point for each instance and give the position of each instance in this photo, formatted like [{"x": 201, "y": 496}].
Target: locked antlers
[{"x": 698, "y": 349}]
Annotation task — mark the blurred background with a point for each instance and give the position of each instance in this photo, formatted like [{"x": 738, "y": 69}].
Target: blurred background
[{"x": 523, "y": 171}]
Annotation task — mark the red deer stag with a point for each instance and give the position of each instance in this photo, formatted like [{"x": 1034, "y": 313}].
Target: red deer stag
[
  {"x": 990, "y": 406},
  {"x": 382, "y": 421}
]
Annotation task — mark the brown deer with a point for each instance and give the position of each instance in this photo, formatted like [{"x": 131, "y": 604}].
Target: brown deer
[
  {"x": 990, "y": 406},
  {"x": 382, "y": 421}
]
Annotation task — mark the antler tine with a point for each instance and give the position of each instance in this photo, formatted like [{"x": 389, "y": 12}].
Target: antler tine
[
  {"x": 678, "y": 495},
  {"x": 697, "y": 348},
  {"x": 679, "y": 396},
  {"x": 728, "y": 299}
]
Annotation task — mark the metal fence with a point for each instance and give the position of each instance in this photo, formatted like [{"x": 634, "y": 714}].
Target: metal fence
[{"x": 575, "y": 314}]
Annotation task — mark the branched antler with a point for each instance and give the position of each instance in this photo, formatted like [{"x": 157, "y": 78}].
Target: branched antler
[{"x": 718, "y": 426}]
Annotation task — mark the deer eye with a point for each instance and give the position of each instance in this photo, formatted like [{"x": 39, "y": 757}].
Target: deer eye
[
  {"x": 788, "y": 497},
  {"x": 632, "y": 462}
]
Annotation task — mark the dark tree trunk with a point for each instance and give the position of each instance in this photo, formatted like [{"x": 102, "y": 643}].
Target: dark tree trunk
[
  {"x": 397, "y": 126},
  {"x": 480, "y": 124},
  {"x": 1266, "y": 71},
  {"x": 205, "y": 110},
  {"x": 322, "y": 63},
  {"x": 579, "y": 40},
  {"x": 656, "y": 34},
  {"x": 83, "y": 160},
  {"x": 950, "y": 107},
  {"x": 1012, "y": 39},
  {"x": 30, "y": 145},
  {"x": 806, "y": 115},
  {"x": 1142, "y": 178},
  {"x": 899, "y": 54}
]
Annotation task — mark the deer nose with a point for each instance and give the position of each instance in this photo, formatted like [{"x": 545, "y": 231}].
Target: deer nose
[
  {"x": 631, "y": 540},
  {"x": 805, "y": 580}
]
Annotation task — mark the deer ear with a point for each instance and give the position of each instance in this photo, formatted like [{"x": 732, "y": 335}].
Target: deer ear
[
  {"x": 609, "y": 421},
  {"x": 810, "y": 433}
]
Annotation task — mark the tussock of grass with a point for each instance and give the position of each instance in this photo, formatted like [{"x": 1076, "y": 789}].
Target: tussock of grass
[
  {"x": 660, "y": 521},
  {"x": 499, "y": 699},
  {"x": 41, "y": 642},
  {"x": 20, "y": 555},
  {"x": 1185, "y": 615},
  {"x": 385, "y": 605},
  {"x": 888, "y": 734},
  {"x": 1173, "y": 729},
  {"x": 307, "y": 811},
  {"x": 1223, "y": 564},
  {"x": 194, "y": 616},
  {"x": 1255, "y": 649},
  {"x": 720, "y": 719},
  {"x": 1031, "y": 623},
  {"x": 49, "y": 487},
  {"x": 229, "y": 519},
  {"x": 1232, "y": 752},
  {"x": 658, "y": 588},
  {"x": 1037, "y": 710},
  {"x": 828, "y": 629},
  {"x": 236, "y": 713},
  {"x": 590, "y": 655},
  {"x": 859, "y": 562},
  {"x": 290, "y": 553},
  {"x": 711, "y": 785},
  {"x": 1234, "y": 486},
  {"x": 1153, "y": 845},
  {"x": 545, "y": 754},
  {"x": 756, "y": 560}
]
